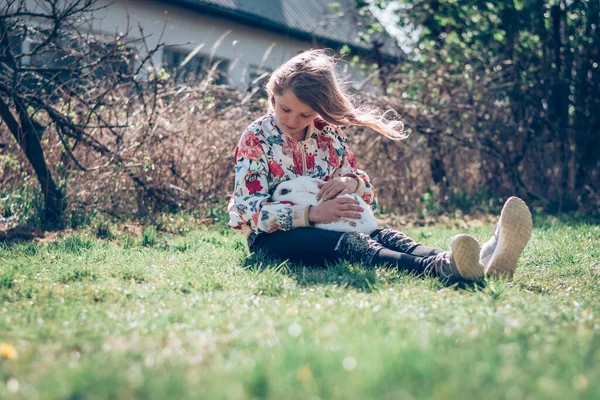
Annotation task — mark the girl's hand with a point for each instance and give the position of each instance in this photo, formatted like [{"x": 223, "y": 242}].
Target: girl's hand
[
  {"x": 336, "y": 187},
  {"x": 334, "y": 210}
]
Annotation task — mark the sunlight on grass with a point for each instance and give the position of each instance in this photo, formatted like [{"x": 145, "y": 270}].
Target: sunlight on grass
[{"x": 105, "y": 314}]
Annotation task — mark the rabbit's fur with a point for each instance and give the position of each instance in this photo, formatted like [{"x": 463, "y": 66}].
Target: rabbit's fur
[{"x": 303, "y": 190}]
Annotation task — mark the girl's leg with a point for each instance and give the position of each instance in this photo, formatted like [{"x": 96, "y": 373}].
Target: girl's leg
[
  {"x": 398, "y": 241},
  {"x": 404, "y": 261},
  {"x": 315, "y": 246},
  {"x": 307, "y": 245},
  {"x": 461, "y": 262}
]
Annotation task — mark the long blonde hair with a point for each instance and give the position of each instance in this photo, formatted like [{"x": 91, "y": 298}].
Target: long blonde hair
[{"x": 311, "y": 75}]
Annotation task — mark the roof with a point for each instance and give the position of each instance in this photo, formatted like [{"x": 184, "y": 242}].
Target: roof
[{"x": 310, "y": 20}]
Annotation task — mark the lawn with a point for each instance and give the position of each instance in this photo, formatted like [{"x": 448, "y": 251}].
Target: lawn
[{"x": 103, "y": 313}]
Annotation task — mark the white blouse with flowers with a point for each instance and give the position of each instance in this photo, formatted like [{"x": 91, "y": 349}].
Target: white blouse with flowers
[{"x": 265, "y": 157}]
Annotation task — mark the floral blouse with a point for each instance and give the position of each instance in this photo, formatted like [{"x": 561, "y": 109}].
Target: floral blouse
[{"x": 265, "y": 157}]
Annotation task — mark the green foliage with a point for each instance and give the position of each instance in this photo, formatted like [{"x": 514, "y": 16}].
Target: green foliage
[
  {"x": 22, "y": 203},
  {"x": 514, "y": 80},
  {"x": 149, "y": 236},
  {"x": 133, "y": 274},
  {"x": 6, "y": 280},
  {"x": 103, "y": 231},
  {"x": 72, "y": 245},
  {"x": 77, "y": 274}
]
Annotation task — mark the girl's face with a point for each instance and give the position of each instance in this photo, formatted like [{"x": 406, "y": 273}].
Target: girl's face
[{"x": 291, "y": 115}]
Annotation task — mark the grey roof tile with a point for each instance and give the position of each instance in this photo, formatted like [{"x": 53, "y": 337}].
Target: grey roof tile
[{"x": 302, "y": 17}]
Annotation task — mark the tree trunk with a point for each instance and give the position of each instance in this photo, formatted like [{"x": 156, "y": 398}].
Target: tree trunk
[
  {"x": 28, "y": 139},
  {"x": 28, "y": 134},
  {"x": 438, "y": 170},
  {"x": 380, "y": 65},
  {"x": 559, "y": 111}
]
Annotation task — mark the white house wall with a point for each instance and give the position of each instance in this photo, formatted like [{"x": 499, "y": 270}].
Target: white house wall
[{"x": 244, "y": 46}]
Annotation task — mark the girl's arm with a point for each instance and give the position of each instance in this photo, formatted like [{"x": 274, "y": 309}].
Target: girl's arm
[
  {"x": 251, "y": 206},
  {"x": 348, "y": 168}
]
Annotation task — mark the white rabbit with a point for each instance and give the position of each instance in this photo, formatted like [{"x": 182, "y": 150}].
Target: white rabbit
[{"x": 303, "y": 190}]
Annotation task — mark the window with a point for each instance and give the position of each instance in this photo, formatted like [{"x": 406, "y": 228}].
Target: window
[
  {"x": 59, "y": 52},
  {"x": 51, "y": 62},
  {"x": 16, "y": 44},
  {"x": 79, "y": 54},
  {"x": 197, "y": 67},
  {"x": 257, "y": 76},
  {"x": 118, "y": 59}
]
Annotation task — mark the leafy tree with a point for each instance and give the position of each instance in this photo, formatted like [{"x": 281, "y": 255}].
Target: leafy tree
[{"x": 529, "y": 80}]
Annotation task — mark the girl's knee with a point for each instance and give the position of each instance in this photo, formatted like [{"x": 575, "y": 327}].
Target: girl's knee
[
  {"x": 395, "y": 240},
  {"x": 357, "y": 247}
]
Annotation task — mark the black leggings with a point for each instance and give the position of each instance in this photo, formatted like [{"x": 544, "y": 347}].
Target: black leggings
[{"x": 317, "y": 246}]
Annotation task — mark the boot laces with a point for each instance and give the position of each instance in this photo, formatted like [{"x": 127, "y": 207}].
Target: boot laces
[{"x": 443, "y": 265}]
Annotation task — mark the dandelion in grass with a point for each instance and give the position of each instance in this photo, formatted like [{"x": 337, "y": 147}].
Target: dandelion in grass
[
  {"x": 13, "y": 385},
  {"x": 295, "y": 330},
  {"x": 349, "y": 363},
  {"x": 8, "y": 351}
]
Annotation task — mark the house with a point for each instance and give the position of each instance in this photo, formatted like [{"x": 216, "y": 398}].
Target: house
[{"x": 242, "y": 39}]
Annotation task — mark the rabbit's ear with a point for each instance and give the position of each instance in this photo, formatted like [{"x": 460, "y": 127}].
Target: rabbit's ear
[{"x": 319, "y": 181}]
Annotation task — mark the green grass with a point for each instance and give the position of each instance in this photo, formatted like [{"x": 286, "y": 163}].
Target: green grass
[{"x": 100, "y": 314}]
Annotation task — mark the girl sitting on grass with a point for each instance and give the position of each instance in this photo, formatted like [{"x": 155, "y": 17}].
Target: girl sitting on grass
[{"x": 302, "y": 137}]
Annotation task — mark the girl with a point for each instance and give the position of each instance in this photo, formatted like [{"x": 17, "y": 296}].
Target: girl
[{"x": 302, "y": 136}]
